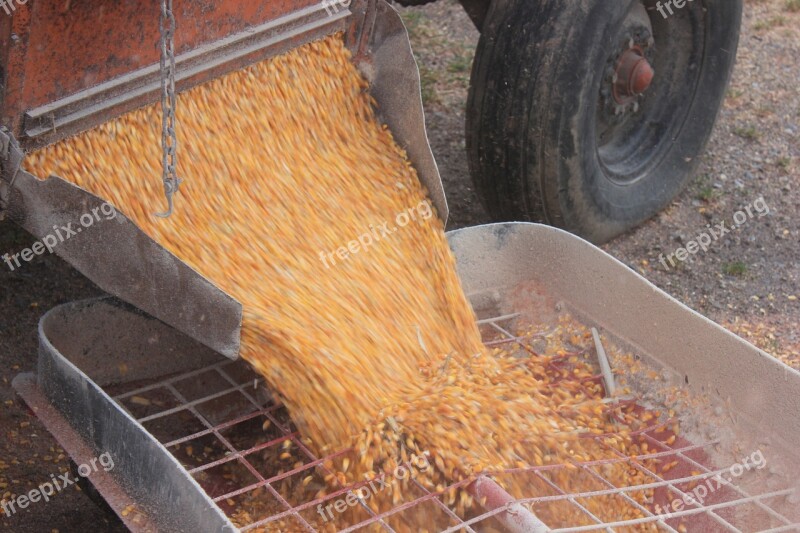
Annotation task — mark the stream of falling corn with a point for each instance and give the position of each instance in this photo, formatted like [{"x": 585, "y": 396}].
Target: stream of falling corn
[{"x": 371, "y": 346}]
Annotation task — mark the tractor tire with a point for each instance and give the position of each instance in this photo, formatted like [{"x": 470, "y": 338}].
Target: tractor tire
[{"x": 565, "y": 125}]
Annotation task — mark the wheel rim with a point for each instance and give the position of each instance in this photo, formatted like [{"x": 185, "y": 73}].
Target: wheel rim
[{"x": 649, "y": 81}]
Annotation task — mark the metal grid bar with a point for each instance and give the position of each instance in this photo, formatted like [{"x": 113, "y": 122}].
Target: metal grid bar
[
  {"x": 408, "y": 505},
  {"x": 189, "y": 404},
  {"x": 669, "y": 484},
  {"x": 702, "y": 508},
  {"x": 287, "y": 433},
  {"x": 174, "y": 379},
  {"x": 234, "y": 454},
  {"x": 682, "y": 495},
  {"x": 224, "y": 425},
  {"x": 617, "y": 490},
  {"x": 449, "y": 512},
  {"x": 791, "y": 527},
  {"x": 269, "y": 411},
  {"x": 660, "y": 522},
  {"x": 509, "y": 337},
  {"x": 221, "y": 371},
  {"x": 253, "y": 471},
  {"x": 571, "y": 498},
  {"x": 736, "y": 488},
  {"x": 679, "y": 514}
]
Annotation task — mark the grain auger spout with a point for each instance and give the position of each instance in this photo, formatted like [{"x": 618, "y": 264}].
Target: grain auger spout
[{"x": 116, "y": 255}]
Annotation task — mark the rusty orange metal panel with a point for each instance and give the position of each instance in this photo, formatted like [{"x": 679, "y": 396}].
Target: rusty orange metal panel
[{"x": 54, "y": 48}]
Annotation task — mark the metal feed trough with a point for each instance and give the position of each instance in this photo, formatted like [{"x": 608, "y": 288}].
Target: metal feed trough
[
  {"x": 113, "y": 379},
  {"x": 194, "y": 432}
]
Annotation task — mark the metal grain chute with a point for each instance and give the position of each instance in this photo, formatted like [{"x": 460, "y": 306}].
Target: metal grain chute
[{"x": 117, "y": 256}]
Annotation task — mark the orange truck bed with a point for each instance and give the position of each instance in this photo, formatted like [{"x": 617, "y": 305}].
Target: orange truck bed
[{"x": 70, "y": 64}]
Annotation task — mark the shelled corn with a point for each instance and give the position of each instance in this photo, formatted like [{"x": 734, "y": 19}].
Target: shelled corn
[{"x": 284, "y": 163}]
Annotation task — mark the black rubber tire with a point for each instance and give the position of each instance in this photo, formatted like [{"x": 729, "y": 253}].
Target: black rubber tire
[{"x": 532, "y": 111}]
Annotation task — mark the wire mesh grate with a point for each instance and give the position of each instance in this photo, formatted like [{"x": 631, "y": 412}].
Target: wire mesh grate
[{"x": 229, "y": 432}]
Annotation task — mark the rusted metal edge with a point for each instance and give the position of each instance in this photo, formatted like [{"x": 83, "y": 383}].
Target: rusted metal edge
[
  {"x": 78, "y": 112},
  {"x": 80, "y": 452}
]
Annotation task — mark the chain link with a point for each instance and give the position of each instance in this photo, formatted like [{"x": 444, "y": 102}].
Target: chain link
[{"x": 169, "y": 142}]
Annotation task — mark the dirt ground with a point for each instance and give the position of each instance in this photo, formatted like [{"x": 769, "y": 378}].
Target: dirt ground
[{"x": 748, "y": 281}]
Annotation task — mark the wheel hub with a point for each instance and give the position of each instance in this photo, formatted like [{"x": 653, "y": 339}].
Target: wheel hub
[
  {"x": 633, "y": 76},
  {"x": 629, "y": 72}
]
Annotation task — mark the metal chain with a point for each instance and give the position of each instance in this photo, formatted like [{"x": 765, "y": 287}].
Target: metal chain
[{"x": 169, "y": 142}]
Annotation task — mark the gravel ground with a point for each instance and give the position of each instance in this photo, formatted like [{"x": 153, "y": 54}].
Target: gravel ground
[{"x": 748, "y": 280}]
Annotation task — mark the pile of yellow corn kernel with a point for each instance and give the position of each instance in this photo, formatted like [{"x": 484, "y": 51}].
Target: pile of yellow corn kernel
[{"x": 376, "y": 350}]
